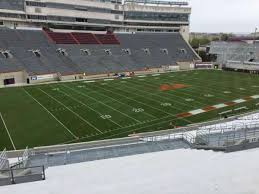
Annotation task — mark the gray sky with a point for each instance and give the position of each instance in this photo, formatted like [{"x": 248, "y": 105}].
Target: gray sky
[{"x": 238, "y": 16}]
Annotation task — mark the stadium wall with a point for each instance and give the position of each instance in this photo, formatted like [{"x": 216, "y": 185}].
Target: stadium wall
[
  {"x": 185, "y": 65},
  {"x": 70, "y": 77},
  {"x": 18, "y": 77},
  {"x": 42, "y": 78}
]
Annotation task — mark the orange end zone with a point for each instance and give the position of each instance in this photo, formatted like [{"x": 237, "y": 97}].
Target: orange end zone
[
  {"x": 166, "y": 87},
  {"x": 209, "y": 108},
  {"x": 183, "y": 115},
  {"x": 230, "y": 103}
]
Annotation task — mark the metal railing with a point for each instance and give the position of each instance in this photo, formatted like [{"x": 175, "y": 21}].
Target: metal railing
[
  {"x": 4, "y": 162},
  {"x": 173, "y": 136},
  {"x": 22, "y": 175}
]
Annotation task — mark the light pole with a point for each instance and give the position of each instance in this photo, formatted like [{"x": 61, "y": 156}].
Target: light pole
[
  {"x": 255, "y": 34},
  {"x": 254, "y": 41}
]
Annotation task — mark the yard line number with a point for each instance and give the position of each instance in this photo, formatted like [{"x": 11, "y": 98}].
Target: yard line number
[
  {"x": 138, "y": 110},
  {"x": 106, "y": 116},
  {"x": 166, "y": 104}
]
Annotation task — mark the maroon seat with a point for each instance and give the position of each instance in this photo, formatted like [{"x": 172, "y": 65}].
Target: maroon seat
[
  {"x": 107, "y": 38},
  {"x": 61, "y": 38},
  {"x": 85, "y": 38}
]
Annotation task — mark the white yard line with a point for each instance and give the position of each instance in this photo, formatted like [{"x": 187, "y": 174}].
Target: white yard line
[
  {"x": 89, "y": 81},
  {"x": 78, "y": 101},
  {"x": 2, "y": 118},
  {"x": 51, "y": 114},
  {"x": 80, "y": 117},
  {"x": 158, "y": 109},
  {"x": 159, "y": 96},
  {"x": 212, "y": 88},
  {"x": 83, "y": 94},
  {"x": 168, "y": 98},
  {"x": 120, "y": 101}
]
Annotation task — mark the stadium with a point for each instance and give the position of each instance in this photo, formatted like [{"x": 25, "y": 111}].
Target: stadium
[{"x": 88, "y": 82}]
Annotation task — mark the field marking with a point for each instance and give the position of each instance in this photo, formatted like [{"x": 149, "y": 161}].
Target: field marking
[
  {"x": 142, "y": 102},
  {"x": 79, "y": 101},
  {"x": 168, "y": 98},
  {"x": 161, "y": 110},
  {"x": 71, "y": 110},
  {"x": 215, "y": 90},
  {"x": 212, "y": 88},
  {"x": 255, "y": 96},
  {"x": 108, "y": 80},
  {"x": 153, "y": 94},
  {"x": 149, "y": 125},
  {"x": 120, "y": 101},
  {"x": 9, "y": 135},
  {"x": 196, "y": 112},
  {"x": 83, "y": 94},
  {"x": 193, "y": 88},
  {"x": 239, "y": 101},
  {"x": 181, "y": 91},
  {"x": 51, "y": 114},
  {"x": 200, "y": 90},
  {"x": 215, "y": 107},
  {"x": 89, "y": 81}
]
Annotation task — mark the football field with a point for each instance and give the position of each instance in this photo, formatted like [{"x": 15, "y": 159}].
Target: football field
[{"x": 98, "y": 109}]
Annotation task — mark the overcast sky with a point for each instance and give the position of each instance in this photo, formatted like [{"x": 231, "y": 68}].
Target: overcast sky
[{"x": 238, "y": 16}]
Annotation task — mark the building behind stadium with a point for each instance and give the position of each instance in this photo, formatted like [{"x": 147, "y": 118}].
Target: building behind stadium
[{"x": 98, "y": 15}]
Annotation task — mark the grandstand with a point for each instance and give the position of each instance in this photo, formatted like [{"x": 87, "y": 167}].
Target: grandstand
[
  {"x": 233, "y": 51},
  {"x": 30, "y": 56}
]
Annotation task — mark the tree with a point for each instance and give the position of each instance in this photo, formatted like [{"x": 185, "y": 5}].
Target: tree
[
  {"x": 197, "y": 42},
  {"x": 226, "y": 37}
]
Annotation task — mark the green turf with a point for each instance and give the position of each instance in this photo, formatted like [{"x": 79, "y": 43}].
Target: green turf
[{"x": 78, "y": 111}]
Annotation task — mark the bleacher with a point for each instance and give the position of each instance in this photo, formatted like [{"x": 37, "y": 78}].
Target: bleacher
[
  {"x": 107, "y": 39},
  {"x": 85, "y": 38},
  {"x": 37, "y": 52},
  {"x": 62, "y": 38}
]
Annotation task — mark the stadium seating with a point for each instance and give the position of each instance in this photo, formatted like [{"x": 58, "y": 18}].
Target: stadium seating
[
  {"x": 42, "y": 52},
  {"x": 62, "y": 38},
  {"x": 85, "y": 38},
  {"x": 107, "y": 38},
  {"x": 12, "y": 5}
]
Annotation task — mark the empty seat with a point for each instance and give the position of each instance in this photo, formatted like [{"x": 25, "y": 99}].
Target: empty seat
[
  {"x": 85, "y": 38},
  {"x": 61, "y": 38},
  {"x": 107, "y": 38}
]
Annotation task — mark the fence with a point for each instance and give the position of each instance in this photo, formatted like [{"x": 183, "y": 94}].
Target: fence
[
  {"x": 187, "y": 136},
  {"x": 21, "y": 175},
  {"x": 4, "y": 162},
  {"x": 228, "y": 135}
]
